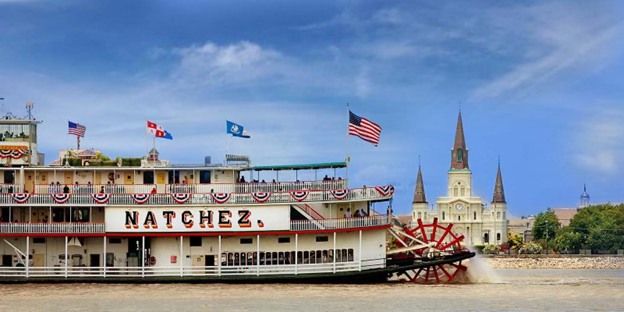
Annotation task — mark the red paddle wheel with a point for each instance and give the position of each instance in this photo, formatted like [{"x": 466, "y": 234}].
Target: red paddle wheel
[{"x": 427, "y": 251}]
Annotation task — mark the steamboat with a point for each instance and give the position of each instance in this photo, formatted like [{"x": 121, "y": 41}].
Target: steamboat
[{"x": 85, "y": 217}]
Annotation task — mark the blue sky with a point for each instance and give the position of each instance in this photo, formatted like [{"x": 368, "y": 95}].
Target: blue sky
[{"x": 539, "y": 83}]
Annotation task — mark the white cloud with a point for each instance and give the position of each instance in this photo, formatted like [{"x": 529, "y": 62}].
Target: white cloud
[
  {"x": 600, "y": 140},
  {"x": 238, "y": 62},
  {"x": 559, "y": 38}
]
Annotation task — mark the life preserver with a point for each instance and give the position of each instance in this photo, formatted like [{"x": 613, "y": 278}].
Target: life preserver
[{"x": 152, "y": 261}]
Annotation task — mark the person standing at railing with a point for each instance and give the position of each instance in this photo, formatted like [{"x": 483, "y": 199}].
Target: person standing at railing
[{"x": 66, "y": 189}]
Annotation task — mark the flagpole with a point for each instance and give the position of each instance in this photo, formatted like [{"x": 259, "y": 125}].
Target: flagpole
[
  {"x": 77, "y": 142},
  {"x": 347, "y": 157}
]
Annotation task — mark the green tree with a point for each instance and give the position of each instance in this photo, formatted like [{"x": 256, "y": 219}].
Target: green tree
[
  {"x": 546, "y": 225},
  {"x": 601, "y": 227},
  {"x": 568, "y": 241}
]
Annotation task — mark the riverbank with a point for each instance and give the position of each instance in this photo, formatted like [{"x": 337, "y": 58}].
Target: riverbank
[{"x": 556, "y": 262}]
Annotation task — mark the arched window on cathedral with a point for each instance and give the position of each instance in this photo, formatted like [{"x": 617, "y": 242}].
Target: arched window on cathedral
[
  {"x": 475, "y": 215},
  {"x": 460, "y": 155},
  {"x": 458, "y": 218},
  {"x": 463, "y": 191},
  {"x": 455, "y": 191},
  {"x": 443, "y": 215}
]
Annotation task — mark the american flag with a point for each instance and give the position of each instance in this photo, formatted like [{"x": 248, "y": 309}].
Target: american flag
[
  {"x": 364, "y": 128},
  {"x": 76, "y": 129}
]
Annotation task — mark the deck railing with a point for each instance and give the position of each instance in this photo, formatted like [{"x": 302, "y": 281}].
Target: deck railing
[
  {"x": 48, "y": 228},
  {"x": 369, "y": 193},
  {"x": 10, "y": 188},
  {"x": 251, "y": 187},
  {"x": 61, "y": 271},
  {"x": 80, "y": 227},
  {"x": 341, "y": 223}
]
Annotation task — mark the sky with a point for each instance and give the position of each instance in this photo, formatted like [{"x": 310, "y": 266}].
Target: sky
[{"x": 539, "y": 85}]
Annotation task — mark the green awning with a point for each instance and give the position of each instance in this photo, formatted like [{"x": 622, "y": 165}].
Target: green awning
[{"x": 327, "y": 165}]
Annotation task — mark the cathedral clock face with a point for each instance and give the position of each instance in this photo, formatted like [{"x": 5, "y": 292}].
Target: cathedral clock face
[{"x": 459, "y": 206}]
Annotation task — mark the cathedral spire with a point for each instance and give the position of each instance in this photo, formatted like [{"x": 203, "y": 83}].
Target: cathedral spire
[
  {"x": 459, "y": 155},
  {"x": 419, "y": 192},
  {"x": 499, "y": 191}
]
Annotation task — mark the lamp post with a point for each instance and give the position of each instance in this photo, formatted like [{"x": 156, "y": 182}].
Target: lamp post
[{"x": 546, "y": 226}]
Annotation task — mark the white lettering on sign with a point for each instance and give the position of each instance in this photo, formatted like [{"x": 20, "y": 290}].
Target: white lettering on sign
[{"x": 193, "y": 219}]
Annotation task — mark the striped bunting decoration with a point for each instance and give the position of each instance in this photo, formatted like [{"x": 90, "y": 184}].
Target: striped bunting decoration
[
  {"x": 140, "y": 198},
  {"x": 60, "y": 198},
  {"x": 220, "y": 198},
  {"x": 385, "y": 190},
  {"x": 20, "y": 198},
  {"x": 100, "y": 198},
  {"x": 181, "y": 198},
  {"x": 299, "y": 195},
  {"x": 340, "y": 194},
  {"x": 261, "y": 197}
]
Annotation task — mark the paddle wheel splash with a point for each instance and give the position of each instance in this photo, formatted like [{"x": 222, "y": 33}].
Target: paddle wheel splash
[{"x": 427, "y": 253}]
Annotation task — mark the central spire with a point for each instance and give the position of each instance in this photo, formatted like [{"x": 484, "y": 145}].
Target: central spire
[
  {"x": 499, "y": 191},
  {"x": 459, "y": 155},
  {"x": 419, "y": 192}
]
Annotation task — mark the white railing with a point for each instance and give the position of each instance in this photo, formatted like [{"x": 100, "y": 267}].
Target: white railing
[
  {"x": 251, "y": 187},
  {"x": 10, "y": 188},
  {"x": 295, "y": 225},
  {"x": 61, "y": 272},
  {"x": 342, "y": 223},
  {"x": 51, "y": 228},
  {"x": 87, "y": 189},
  {"x": 359, "y": 194}
]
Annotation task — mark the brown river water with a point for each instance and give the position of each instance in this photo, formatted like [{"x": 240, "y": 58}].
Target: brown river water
[{"x": 498, "y": 290}]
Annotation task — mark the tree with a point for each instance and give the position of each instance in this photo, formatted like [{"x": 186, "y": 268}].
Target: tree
[
  {"x": 600, "y": 227},
  {"x": 546, "y": 225},
  {"x": 568, "y": 241}
]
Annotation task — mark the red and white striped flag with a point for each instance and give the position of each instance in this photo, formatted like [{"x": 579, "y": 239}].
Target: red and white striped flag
[{"x": 364, "y": 128}]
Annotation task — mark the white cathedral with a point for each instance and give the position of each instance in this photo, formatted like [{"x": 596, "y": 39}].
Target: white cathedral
[{"x": 480, "y": 224}]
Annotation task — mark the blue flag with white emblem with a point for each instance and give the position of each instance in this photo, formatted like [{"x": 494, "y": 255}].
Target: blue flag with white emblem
[{"x": 236, "y": 130}]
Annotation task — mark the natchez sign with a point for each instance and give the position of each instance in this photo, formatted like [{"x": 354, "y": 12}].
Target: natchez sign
[{"x": 145, "y": 219}]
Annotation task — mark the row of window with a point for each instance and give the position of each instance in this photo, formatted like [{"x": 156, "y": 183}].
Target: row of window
[
  {"x": 286, "y": 257},
  {"x": 196, "y": 241}
]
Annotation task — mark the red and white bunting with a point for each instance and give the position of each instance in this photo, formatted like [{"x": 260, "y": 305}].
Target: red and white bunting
[
  {"x": 299, "y": 195},
  {"x": 181, "y": 198},
  {"x": 60, "y": 198},
  {"x": 385, "y": 190},
  {"x": 340, "y": 194},
  {"x": 20, "y": 198},
  {"x": 16, "y": 153},
  {"x": 140, "y": 198},
  {"x": 100, "y": 198},
  {"x": 220, "y": 198},
  {"x": 261, "y": 197}
]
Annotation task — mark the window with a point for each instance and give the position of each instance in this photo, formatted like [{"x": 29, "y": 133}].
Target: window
[
  {"x": 497, "y": 215},
  {"x": 283, "y": 240},
  {"x": 39, "y": 240},
  {"x": 322, "y": 239},
  {"x": 455, "y": 191},
  {"x": 196, "y": 241},
  {"x": 498, "y": 236},
  {"x": 460, "y": 155},
  {"x": 204, "y": 176},
  {"x": 463, "y": 191},
  {"x": 458, "y": 218},
  {"x": 475, "y": 215},
  {"x": 114, "y": 240},
  {"x": 443, "y": 215},
  {"x": 244, "y": 241}
]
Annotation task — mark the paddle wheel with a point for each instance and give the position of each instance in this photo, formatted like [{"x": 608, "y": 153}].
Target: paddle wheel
[{"x": 429, "y": 253}]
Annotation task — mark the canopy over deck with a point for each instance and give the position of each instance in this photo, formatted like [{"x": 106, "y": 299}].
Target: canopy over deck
[{"x": 326, "y": 165}]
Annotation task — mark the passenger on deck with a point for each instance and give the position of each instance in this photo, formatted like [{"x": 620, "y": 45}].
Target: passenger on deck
[
  {"x": 242, "y": 179},
  {"x": 153, "y": 190},
  {"x": 66, "y": 189},
  {"x": 348, "y": 213}
]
